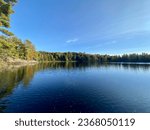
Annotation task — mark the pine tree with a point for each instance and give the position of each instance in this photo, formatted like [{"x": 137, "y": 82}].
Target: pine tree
[{"x": 5, "y": 12}]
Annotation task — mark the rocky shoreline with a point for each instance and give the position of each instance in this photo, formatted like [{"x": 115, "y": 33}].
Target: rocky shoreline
[{"x": 15, "y": 63}]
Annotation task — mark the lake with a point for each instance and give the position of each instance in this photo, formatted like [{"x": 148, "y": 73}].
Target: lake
[{"x": 76, "y": 88}]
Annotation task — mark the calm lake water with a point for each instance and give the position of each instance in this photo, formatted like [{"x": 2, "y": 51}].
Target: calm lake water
[{"x": 74, "y": 87}]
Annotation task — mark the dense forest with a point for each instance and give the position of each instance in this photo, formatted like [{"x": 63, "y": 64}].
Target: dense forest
[
  {"x": 83, "y": 57},
  {"x": 12, "y": 47}
]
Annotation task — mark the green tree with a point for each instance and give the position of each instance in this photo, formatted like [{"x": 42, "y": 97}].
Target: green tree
[
  {"x": 5, "y": 12},
  {"x": 30, "y": 52}
]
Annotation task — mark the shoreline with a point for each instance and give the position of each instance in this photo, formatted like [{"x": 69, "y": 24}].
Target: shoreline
[{"x": 15, "y": 63}]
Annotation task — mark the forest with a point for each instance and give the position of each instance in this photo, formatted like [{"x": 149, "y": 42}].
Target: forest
[{"x": 14, "y": 48}]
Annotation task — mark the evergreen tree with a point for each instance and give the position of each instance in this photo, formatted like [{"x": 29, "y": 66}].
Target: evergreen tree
[{"x": 5, "y": 12}]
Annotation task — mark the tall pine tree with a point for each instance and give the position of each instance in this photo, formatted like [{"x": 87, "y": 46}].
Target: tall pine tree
[{"x": 5, "y": 12}]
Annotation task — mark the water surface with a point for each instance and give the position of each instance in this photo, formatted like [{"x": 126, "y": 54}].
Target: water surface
[{"x": 74, "y": 87}]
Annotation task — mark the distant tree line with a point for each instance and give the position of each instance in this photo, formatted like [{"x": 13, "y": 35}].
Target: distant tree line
[
  {"x": 12, "y": 47},
  {"x": 83, "y": 57}
]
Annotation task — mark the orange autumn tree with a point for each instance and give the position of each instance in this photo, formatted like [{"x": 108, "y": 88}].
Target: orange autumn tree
[{"x": 30, "y": 52}]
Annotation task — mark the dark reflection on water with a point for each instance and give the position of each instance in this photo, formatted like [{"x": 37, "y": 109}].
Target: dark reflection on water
[{"x": 75, "y": 87}]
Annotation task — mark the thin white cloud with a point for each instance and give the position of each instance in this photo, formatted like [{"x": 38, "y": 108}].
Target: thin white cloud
[
  {"x": 114, "y": 41},
  {"x": 72, "y": 40}
]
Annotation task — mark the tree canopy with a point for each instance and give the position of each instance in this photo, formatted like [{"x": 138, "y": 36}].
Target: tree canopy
[{"x": 6, "y": 9}]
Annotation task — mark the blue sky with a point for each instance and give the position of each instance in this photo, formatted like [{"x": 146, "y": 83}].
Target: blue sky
[{"x": 91, "y": 26}]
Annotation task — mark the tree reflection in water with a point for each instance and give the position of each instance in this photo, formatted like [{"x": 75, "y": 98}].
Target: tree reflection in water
[{"x": 11, "y": 78}]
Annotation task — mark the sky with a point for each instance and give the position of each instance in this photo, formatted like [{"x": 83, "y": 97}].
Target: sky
[{"x": 90, "y": 26}]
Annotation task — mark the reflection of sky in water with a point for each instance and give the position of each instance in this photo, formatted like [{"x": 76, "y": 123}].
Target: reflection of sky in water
[{"x": 75, "y": 88}]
